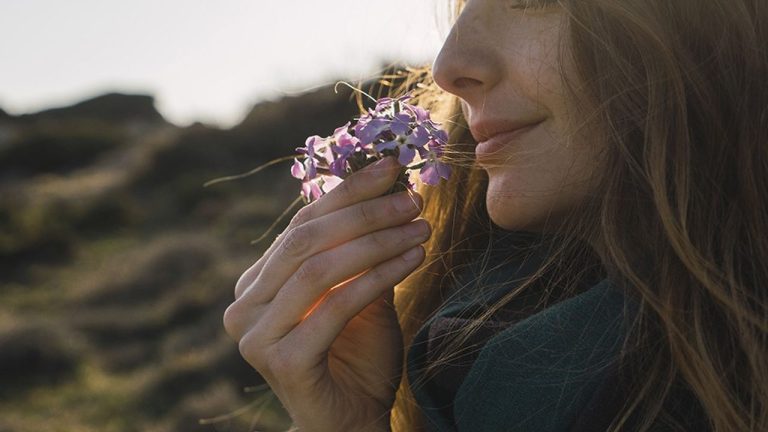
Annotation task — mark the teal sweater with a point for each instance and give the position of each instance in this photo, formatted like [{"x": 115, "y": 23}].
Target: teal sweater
[{"x": 541, "y": 373}]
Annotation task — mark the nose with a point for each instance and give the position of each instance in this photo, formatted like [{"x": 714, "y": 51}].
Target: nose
[{"x": 467, "y": 65}]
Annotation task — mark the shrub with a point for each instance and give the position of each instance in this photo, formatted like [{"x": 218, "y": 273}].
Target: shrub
[
  {"x": 35, "y": 354},
  {"x": 56, "y": 150}
]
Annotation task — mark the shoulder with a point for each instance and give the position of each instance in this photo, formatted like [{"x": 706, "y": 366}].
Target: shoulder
[{"x": 541, "y": 372}]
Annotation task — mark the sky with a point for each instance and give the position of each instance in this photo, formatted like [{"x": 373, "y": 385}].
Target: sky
[{"x": 204, "y": 60}]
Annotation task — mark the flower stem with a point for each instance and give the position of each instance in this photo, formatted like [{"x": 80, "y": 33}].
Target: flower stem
[
  {"x": 278, "y": 220},
  {"x": 353, "y": 88},
  {"x": 251, "y": 172}
]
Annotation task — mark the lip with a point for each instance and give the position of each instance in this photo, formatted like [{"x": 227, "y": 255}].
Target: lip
[
  {"x": 483, "y": 130},
  {"x": 498, "y": 137}
]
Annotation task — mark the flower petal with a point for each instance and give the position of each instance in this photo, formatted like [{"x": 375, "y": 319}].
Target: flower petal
[
  {"x": 388, "y": 145},
  {"x": 421, "y": 113},
  {"x": 419, "y": 137},
  {"x": 372, "y": 129},
  {"x": 401, "y": 124},
  {"x": 330, "y": 182},
  {"x": 429, "y": 174},
  {"x": 339, "y": 167},
  {"x": 406, "y": 155},
  {"x": 315, "y": 189},
  {"x": 327, "y": 153},
  {"x": 341, "y": 130},
  {"x": 444, "y": 170},
  {"x": 311, "y": 168},
  {"x": 297, "y": 170},
  {"x": 312, "y": 143},
  {"x": 435, "y": 148},
  {"x": 441, "y": 136}
]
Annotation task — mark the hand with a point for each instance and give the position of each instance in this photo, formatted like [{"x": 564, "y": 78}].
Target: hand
[{"x": 315, "y": 314}]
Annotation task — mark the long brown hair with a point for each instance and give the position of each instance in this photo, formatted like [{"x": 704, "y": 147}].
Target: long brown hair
[{"x": 675, "y": 92}]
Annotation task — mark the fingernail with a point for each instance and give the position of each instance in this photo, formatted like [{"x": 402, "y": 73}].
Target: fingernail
[
  {"x": 412, "y": 254},
  {"x": 418, "y": 229},
  {"x": 405, "y": 203}
]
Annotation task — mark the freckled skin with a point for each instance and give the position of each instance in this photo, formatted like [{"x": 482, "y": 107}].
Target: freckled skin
[{"x": 503, "y": 63}]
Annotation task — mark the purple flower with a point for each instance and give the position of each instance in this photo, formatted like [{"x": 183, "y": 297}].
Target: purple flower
[
  {"x": 387, "y": 102},
  {"x": 421, "y": 114},
  {"x": 313, "y": 188},
  {"x": 368, "y": 128},
  {"x": 316, "y": 150},
  {"x": 313, "y": 144},
  {"x": 346, "y": 145},
  {"x": 406, "y": 144},
  {"x": 392, "y": 127},
  {"x": 433, "y": 170},
  {"x": 385, "y": 117},
  {"x": 298, "y": 170},
  {"x": 310, "y": 190},
  {"x": 330, "y": 182},
  {"x": 400, "y": 124},
  {"x": 372, "y": 129},
  {"x": 440, "y": 136}
]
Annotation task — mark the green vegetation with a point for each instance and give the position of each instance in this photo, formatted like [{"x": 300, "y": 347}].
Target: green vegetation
[{"x": 116, "y": 265}]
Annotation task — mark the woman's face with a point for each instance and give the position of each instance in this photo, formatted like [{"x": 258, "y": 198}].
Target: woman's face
[{"x": 502, "y": 62}]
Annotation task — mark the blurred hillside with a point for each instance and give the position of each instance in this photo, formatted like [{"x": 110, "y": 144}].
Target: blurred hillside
[{"x": 116, "y": 265}]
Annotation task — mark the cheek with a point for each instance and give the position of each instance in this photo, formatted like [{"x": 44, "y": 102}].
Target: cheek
[{"x": 538, "y": 187}]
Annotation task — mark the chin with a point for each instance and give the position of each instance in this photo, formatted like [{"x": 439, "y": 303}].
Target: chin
[
  {"x": 507, "y": 213},
  {"x": 520, "y": 212}
]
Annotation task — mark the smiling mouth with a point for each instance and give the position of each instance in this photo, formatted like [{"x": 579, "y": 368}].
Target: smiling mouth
[{"x": 493, "y": 145}]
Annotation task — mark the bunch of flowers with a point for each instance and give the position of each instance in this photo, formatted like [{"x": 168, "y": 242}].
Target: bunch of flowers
[{"x": 393, "y": 128}]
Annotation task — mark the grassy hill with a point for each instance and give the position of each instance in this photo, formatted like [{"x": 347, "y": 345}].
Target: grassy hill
[{"x": 116, "y": 265}]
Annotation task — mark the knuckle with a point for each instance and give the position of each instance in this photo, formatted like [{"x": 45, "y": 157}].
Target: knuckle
[
  {"x": 302, "y": 216},
  {"x": 297, "y": 241},
  {"x": 251, "y": 349},
  {"x": 283, "y": 361},
  {"x": 230, "y": 319},
  {"x": 239, "y": 287},
  {"x": 381, "y": 239},
  {"x": 377, "y": 174},
  {"x": 367, "y": 212},
  {"x": 348, "y": 190},
  {"x": 391, "y": 209},
  {"x": 339, "y": 302},
  {"x": 310, "y": 271},
  {"x": 245, "y": 280},
  {"x": 256, "y": 294},
  {"x": 376, "y": 276}
]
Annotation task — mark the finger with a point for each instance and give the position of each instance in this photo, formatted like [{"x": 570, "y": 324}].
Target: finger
[
  {"x": 330, "y": 268},
  {"x": 329, "y": 231},
  {"x": 238, "y": 318},
  {"x": 372, "y": 181},
  {"x": 373, "y": 215},
  {"x": 389, "y": 210},
  {"x": 322, "y": 326}
]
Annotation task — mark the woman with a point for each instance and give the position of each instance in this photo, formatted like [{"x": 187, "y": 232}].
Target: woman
[{"x": 620, "y": 285}]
